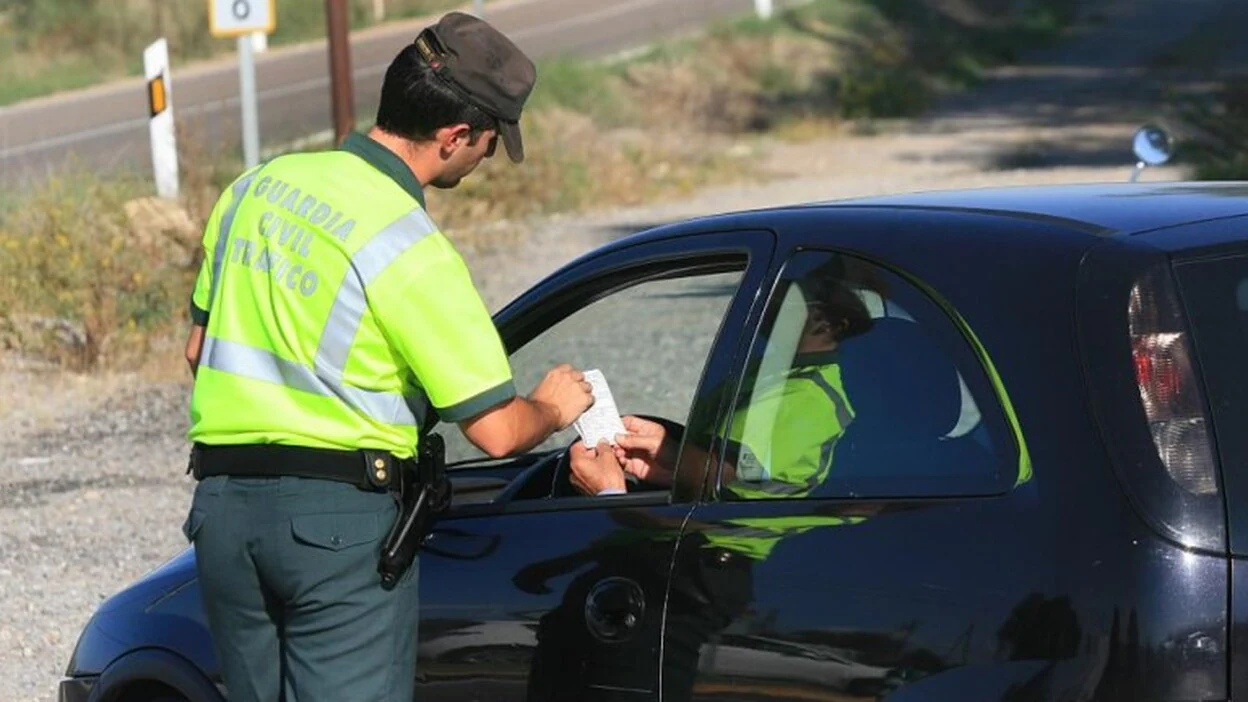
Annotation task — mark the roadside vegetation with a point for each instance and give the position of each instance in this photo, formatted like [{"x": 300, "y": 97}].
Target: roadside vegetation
[
  {"x": 47, "y": 46},
  {"x": 1215, "y": 135},
  {"x": 94, "y": 274},
  {"x": 1210, "y": 110}
]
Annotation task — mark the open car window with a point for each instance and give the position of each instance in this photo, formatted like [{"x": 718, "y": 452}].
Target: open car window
[{"x": 650, "y": 336}]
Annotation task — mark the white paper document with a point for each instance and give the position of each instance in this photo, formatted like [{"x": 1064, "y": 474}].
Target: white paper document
[{"x": 602, "y": 420}]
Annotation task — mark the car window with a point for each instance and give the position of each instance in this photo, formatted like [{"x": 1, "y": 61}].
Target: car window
[
  {"x": 651, "y": 341},
  {"x": 858, "y": 385}
]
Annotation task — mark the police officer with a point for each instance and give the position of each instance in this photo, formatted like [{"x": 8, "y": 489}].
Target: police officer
[{"x": 331, "y": 321}]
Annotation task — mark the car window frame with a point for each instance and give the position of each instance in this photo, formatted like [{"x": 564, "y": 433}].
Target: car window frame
[
  {"x": 598, "y": 275},
  {"x": 1007, "y": 437},
  {"x": 1217, "y": 388}
]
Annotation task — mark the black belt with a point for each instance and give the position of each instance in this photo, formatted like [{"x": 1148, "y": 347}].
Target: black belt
[{"x": 366, "y": 469}]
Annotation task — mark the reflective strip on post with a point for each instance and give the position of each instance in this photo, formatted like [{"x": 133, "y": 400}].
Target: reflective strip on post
[{"x": 157, "y": 95}]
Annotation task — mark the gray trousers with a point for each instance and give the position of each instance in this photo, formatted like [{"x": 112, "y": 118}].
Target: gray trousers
[{"x": 288, "y": 571}]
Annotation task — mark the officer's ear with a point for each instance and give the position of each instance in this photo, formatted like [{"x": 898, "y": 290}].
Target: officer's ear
[{"x": 452, "y": 137}]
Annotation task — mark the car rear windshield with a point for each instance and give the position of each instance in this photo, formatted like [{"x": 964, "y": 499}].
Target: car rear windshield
[{"x": 1215, "y": 296}]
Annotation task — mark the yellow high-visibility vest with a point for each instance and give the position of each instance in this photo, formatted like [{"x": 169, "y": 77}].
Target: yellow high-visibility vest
[{"x": 336, "y": 312}]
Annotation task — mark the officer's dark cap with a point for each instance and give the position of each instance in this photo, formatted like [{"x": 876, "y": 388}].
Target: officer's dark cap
[{"x": 483, "y": 67}]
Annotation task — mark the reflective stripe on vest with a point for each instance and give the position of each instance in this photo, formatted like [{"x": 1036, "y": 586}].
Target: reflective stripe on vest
[
  {"x": 367, "y": 263},
  {"x": 842, "y": 410},
  {"x": 325, "y": 377},
  {"x": 223, "y": 236}
]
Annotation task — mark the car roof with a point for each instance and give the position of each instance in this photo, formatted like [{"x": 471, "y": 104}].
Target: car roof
[{"x": 1111, "y": 208}]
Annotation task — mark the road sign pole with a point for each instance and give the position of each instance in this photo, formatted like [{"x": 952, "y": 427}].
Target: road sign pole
[
  {"x": 247, "y": 96},
  {"x": 242, "y": 19},
  {"x": 161, "y": 128},
  {"x": 478, "y": 8},
  {"x": 341, "y": 91},
  {"x": 763, "y": 8}
]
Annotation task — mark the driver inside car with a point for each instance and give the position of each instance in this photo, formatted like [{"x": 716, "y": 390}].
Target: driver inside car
[
  {"x": 782, "y": 439},
  {"x": 780, "y": 442}
]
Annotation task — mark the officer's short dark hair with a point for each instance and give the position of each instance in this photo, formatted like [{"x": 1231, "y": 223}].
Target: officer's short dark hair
[{"x": 415, "y": 103}]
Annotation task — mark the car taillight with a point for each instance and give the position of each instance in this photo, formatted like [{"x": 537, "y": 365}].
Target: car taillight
[{"x": 1172, "y": 398}]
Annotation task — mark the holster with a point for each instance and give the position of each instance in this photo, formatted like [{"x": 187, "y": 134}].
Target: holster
[{"x": 423, "y": 492}]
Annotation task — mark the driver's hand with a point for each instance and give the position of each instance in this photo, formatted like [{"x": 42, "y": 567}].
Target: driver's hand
[
  {"x": 595, "y": 469},
  {"x": 645, "y": 451}
]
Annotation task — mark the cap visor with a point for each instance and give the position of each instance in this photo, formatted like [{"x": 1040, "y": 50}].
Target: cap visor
[{"x": 510, "y": 131}]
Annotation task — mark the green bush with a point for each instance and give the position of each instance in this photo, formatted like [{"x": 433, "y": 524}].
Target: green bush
[{"x": 875, "y": 91}]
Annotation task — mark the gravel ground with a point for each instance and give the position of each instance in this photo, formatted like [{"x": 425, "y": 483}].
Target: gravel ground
[{"x": 92, "y": 484}]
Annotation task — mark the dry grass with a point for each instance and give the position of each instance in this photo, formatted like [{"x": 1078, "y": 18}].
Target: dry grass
[
  {"x": 89, "y": 276},
  {"x": 94, "y": 277},
  {"x": 573, "y": 164}
]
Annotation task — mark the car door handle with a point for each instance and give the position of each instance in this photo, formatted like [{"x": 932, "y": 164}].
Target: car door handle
[{"x": 614, "y": 609}]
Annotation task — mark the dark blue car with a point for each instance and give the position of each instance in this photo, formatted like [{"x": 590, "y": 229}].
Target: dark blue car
[{"x": 1039, "y": 491}]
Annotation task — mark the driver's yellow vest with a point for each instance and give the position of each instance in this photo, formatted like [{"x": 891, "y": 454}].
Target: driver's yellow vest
[
  {"x": 787, "y": 458},
  {"x": 336, "y": 313}
]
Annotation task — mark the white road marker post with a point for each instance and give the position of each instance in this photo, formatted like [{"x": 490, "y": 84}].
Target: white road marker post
[
  {"x": 160, "y": 108},
  {"x": 478, "y": 8},
  {"x": 763, "y": 8},
  {"x": 247, "y": 101},
  {"x": 241, "y": 18}
]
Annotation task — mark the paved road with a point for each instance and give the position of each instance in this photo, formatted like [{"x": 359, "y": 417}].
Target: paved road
[{"x": 106, "y": 127}]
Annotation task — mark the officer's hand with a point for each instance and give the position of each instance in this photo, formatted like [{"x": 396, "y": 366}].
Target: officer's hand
[
  {"x": 595, "y": 470},
  {"x": 645, "y": 450},
  {"x": 564, "y": 388}
]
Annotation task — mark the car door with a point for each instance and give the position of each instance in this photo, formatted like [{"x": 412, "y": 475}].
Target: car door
[
  {"x": 861, "y": 538},
  {"x": 528, "y": 589}
]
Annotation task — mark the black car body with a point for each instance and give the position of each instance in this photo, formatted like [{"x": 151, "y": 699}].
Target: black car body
[{"x": 1042, "y": 497}]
